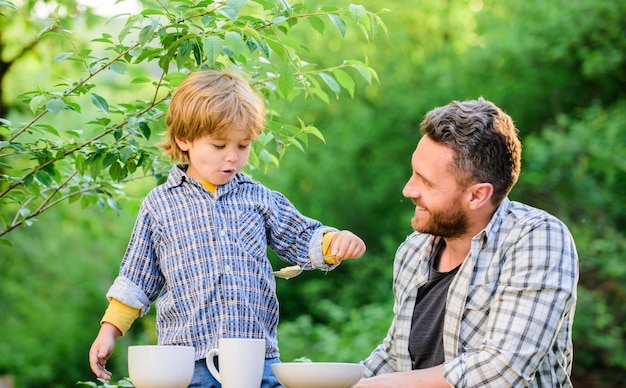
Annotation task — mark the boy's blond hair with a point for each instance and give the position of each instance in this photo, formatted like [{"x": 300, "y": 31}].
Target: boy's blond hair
[{"x": 211, "y": 102}]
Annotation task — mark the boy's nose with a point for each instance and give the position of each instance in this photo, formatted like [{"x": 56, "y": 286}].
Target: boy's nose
[{"x": 232, "y": 157}]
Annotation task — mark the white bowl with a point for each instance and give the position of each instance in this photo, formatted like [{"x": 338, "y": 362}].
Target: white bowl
[
  {"x": 156, "y": 366},
  {"x": 318, "y": 374}
]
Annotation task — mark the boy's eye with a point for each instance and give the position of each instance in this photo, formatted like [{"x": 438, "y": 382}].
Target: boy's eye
[
  {"x": 219, "y": 146},
  {"x": 243, "y": 146}
]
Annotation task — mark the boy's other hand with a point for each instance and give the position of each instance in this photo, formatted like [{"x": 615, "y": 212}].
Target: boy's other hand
[{"x": 346, "y": 245}]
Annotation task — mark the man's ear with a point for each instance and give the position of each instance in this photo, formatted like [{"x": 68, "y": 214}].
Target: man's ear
[
  {"x": 480, "y": 194},
  {"x": 183, "y": 144}
]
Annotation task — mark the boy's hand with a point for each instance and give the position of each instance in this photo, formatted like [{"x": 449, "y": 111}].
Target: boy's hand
[
  {"x": 345, "y": 245},
  {"x": 102, "y": 349}
]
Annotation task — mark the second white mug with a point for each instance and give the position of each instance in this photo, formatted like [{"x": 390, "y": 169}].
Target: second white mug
[{"x": 240, "y": 360}]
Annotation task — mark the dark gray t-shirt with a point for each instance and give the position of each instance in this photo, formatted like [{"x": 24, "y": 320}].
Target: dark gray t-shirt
[{"x": 426, "y": 338}]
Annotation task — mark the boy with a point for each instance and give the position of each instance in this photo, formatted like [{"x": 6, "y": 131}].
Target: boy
[{"x": 198, "y": 248}]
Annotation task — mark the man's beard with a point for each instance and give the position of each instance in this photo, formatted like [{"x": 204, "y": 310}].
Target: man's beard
[{"x": 448, "y": 223}]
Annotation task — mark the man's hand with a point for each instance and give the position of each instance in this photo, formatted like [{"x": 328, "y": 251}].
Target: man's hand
[{"x": 421, "y": 378}]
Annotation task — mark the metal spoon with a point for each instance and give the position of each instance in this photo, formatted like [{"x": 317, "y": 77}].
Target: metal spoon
[{"x": 295, "y": 270}]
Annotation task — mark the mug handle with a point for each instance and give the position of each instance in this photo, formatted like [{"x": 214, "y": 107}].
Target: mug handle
[{"x": 210, "y": 363}]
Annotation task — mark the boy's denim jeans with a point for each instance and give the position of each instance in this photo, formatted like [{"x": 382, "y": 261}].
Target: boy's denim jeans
[{"x": 202, "y": 378}]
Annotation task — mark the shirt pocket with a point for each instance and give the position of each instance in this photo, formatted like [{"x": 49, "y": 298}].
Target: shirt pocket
[
  {"x": 251, "y": 229},
  {"x": 477, "y": 307},
  {"x": 480, "y": 296},
  {"x": 475, "y": 317}
]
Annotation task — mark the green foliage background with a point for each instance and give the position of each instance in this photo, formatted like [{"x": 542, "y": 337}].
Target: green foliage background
[{"x": 557, "y": 67}]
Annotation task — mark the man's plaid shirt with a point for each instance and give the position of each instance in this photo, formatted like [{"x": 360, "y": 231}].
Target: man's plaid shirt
[{"x": 509, "y": 310}]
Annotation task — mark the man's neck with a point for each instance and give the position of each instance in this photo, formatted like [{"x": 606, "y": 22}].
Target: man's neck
[{"x": 453, "y": 254}]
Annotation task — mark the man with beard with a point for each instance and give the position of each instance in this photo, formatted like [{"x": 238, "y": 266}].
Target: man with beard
[{"x": 485, "y": 288}]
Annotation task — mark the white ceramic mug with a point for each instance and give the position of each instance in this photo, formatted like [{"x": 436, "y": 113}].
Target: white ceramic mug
[
  {"x": 161, "y": 366},
  {"x": 240, "y": 360}
]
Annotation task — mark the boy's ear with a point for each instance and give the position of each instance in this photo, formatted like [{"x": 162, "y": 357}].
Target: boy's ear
[{"x": 182, "y": 144}]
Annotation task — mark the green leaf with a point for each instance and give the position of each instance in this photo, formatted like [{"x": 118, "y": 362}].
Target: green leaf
[
  {"x": 5, "y": 242},
  {"x": 106, "y": 38},
  {"x": 357, "y": 12},
  {"x": 319, "y": 93},
  {"x": 118, "y": 67},
  {"x": 339, "y": 23},
  {"x": 131, "y": 166},
  {"x": 77, "y": 134},
  {"x": 109, "y": 159},
  {"x": 345, "y": 80},
  {"x": 278, "y": 48},
  {"x": 230, "y": 13},
  {"x": 286, "y": 81},
  {"x": 152, "y": 11},
  {"x": 37, "y": 103},
  {"x": 79, "y": 163},
  {"x": 140, "y": 80},
  {"x": 100, "y": 102},
  {"x": 87, "y": 383},
  {"x": 113, "y": 204},
  {"x": 28, "y": 179},
  {"x": 130, "y": 23},
  {"x": 43, "y": 177},
  {"x": 175, "y": 78},
  {"x": 252, "y": 33},
  {"x": 310, "y": 129},
  {"x": 126, "y": 153},
  {"x": 213, "y": 46},
  {"x": 62, "y": 57},
  {"x": 55, "y": 105},
  {"x": 164, "y": 62},
  {"x": 146, "y": 34},
  {"x": 184, "y": 51},
  {"x": 377, "y": 23},
  {"x": 295, "y": 142},
  {"x": 145, "y": 130},
  {"x": 278, "y": 20},
  {"x": 47, "y": 128},
  {"x": 7, "y": 4},
  {"x": 117, "y": 134},
  {"x": 146, "y": 53},
  {"x": 365, "y": 71},
  {"x": 332, "y": 84},
  {"x": 317, "y": 24},
  {"x": 263, "y": 47},
  {"x": 73, "y": 106},
  {"x": 232, "y": 8},
  {"x": 95, "y": 166},
  {"x": 234, "y": 42},
  {"x": 117, "y": 171}
]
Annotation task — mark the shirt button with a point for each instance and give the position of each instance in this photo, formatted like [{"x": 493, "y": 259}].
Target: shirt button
[
  {"x": 231, "y": 302},
  {"x": 227, "y": 268},
  {"x": 222, "y": 233}
]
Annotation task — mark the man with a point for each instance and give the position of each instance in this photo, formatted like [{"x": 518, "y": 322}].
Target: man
[{"x": 485, "y": 289}]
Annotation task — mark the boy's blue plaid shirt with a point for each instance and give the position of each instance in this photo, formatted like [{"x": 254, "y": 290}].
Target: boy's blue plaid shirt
[{"x": 202, "y": 258}]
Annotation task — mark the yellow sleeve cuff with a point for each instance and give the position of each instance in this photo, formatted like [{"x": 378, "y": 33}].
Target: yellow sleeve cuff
[
  {"x": 326, "y": 240},
  {"x": 120, "y": 315}
]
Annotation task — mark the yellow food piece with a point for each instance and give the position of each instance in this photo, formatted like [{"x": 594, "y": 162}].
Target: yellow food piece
[{"x": 331, "y": 260}]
